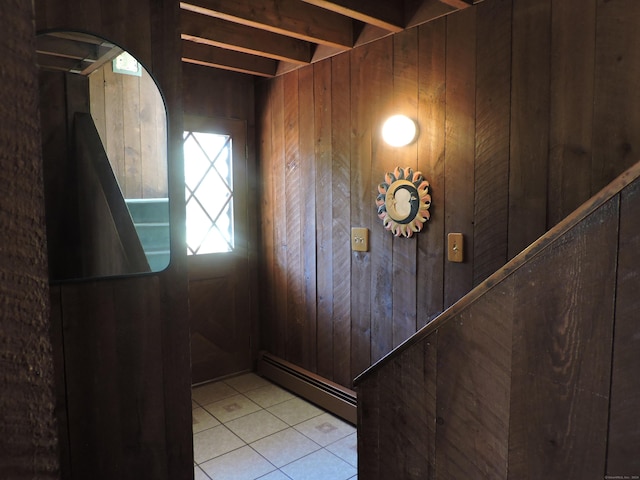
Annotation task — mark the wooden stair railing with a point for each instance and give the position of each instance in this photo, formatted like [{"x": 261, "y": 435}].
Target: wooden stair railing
[{"x": 533, "y": 374}]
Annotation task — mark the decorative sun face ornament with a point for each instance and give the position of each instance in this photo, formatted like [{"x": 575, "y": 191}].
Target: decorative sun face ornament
[{"x": 403, "y": 201}]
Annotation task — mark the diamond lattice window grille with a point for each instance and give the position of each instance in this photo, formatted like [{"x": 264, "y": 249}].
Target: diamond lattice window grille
[{"x": 208, "y": 192}]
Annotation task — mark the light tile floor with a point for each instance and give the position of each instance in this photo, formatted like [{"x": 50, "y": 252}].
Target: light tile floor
[{"x": 246, "y": 428}]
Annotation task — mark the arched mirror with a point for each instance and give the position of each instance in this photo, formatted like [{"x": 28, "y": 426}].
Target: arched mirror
[{"x": 104, "y": 142}]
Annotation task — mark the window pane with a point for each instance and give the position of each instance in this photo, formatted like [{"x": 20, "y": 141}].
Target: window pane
[{"x": 209, "y": 192}]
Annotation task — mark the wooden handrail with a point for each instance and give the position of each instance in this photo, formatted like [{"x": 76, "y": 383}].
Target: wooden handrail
[{"x": 533, "y": 250}]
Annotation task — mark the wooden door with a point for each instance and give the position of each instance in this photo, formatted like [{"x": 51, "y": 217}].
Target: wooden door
[{"x": 219, "y": 303}]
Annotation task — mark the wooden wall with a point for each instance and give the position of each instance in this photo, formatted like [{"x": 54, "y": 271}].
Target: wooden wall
[
  {"x": 122, "y": 378},
  {"x": 28, "y": 437},
  {"x": 529, "y": 375},
  {"x": 130, "y": 116},
  {"x": 525, "y": 110}
]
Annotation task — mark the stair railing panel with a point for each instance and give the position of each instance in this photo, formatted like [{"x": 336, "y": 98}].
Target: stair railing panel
[{"x": 514, "y": 381}]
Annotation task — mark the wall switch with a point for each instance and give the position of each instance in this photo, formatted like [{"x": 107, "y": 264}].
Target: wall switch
[
  {"x": 456, "y": 247},
  {"x": 360, "y": 239}
]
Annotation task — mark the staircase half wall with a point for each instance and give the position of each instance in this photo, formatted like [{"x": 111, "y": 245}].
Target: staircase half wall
[{"x": 532, "y": 375}]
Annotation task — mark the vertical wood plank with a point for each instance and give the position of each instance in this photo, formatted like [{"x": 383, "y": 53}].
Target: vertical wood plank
[
  {"x": 341, "y": 215},
  {"x": 132, "y": 187},
  {"x": 571, "y": 108},
  {"x": 460, "y": 147},
  {"x": 379, "y": 90},
  {"x": 360, "y": 215},
  {"x": 473, "y": 385},
  {"x": 431, "y": 119},
  {"x": 294, "y": 202},
  {"x": 114, "y": 116},
  {"x": 529, "y": 150},
  {"x": 324, "y": 193},
  {"x": 280, "y": 227},
  {"x": 616, "y": 135},
  {"x": 405, "y": 94},
  {"x": 408, "y": 414},
  {"x": 267, "y": 224},
  {"x": 562, "y": 354},
  {"x": 624, "y": 436},
  {"x": 308, "y": 215},
  {"x": 493, "y": 92},
  {"x": 369, "y": 428}
]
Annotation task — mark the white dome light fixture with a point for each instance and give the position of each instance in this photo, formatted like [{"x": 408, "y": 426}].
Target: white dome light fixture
[{"x": 399, "y": 130}]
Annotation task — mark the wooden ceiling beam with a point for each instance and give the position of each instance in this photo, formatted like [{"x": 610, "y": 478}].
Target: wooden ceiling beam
[
  {"x": 210, "y": 56},
  {"x": 379, "y": 13},
  {"x": 286, "y": 17},
  {"x": 221, "y": 33}
]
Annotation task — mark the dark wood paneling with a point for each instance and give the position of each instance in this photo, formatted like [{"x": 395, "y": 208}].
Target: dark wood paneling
[
  {"x": 459, "y": 162},
  {"x": 306, "y": 124},
  {"x": 493, "y": 90},
  {"x": 616, "y": 122},
  {"x": 562, "y": 338},
  {"x": 624, "y": 434},
  {"x": 324, "y": 193},
  {"x": 341, "y": 216},
  {"x": 267, "y": 229},
  {"x": 126, "y": 344},
  {"x": 529, "y": 152},
  {"x": 481, "y": 85},
  {"x": 280, "y": 323},
  {"x": 523, "y": 373},
  {"x": 405, "y": 93},
  {"x": 571, "y": 104},
  {"x": 431, "y": 154},
  {"x": 361, "y": 216},
  {"x": 410, "y": 418},
  {"x": 473, "y": 380},
  {"x": 292, "y": 209},
  {"x": 378, "y": 91}
]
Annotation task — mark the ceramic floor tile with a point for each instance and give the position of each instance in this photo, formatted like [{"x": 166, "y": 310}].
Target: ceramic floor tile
[
  {"x": 241, "y": 464},
  {"x": 295, "y": 411},
  {"x": 256, "y": 425},
  {"x": 269, "y": 395},
  {"x": 320, "y": 465},
  {"x": 214, "y": 442},
  {"x": 246, "y": 382},
  {"x": 275, "y": 475},
  {"x": 198, "y": 474},
  {"x": 325, "y": 429},
  {"x": 284, "y": 447},
  {"x": 212, "y": 392},
  {"x": 346, "y": 449},
  {"x": 202, "y": 420},
  {"x": 231, "y": 408},
  {"x": 194, "y": 405}
]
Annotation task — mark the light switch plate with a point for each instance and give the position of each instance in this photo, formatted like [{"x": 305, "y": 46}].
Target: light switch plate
[
  {"x": 360, "y": 239},
  {"x": 455, "y": 247}
]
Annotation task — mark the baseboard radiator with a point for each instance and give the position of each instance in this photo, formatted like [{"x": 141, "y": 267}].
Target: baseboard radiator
[{"x": 327, "y": 395}]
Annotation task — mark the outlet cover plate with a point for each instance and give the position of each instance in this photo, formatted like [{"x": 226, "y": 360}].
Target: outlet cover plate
[{"x": 360, "y": 239}]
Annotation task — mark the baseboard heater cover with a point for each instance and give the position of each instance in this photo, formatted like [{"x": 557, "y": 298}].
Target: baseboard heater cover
[{"x": 330, "y": 396}]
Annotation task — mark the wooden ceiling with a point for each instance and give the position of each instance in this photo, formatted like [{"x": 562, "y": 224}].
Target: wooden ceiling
[{"x": 270, "y": 37}]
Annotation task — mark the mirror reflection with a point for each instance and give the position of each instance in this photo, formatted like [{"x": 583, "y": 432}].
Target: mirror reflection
[{"x": 104, "y": 142}]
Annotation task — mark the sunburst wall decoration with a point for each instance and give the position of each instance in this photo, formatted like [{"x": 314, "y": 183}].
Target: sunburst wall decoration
[{"x": 403, "y": 201}]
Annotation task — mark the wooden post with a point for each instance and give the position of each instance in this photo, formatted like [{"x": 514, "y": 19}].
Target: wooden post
[{"x": 28, "y": 440}]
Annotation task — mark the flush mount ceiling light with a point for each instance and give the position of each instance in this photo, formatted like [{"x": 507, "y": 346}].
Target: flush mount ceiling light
[{"x": 399, "y": 130}]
